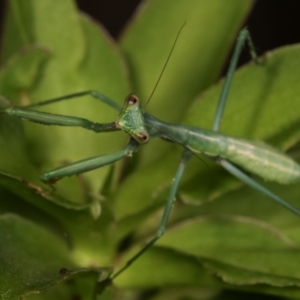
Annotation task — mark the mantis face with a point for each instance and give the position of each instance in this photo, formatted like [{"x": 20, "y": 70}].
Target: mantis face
[{"x": 131, "y": 120}]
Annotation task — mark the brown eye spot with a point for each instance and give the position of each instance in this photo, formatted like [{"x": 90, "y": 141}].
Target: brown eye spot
[
  {"x": 132, "y": 99},
  {"x": 143, "y": 137}
]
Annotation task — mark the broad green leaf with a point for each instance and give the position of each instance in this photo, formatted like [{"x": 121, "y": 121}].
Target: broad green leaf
[
  {"x": 196, "y": 53},
  {"x": 169, "y": 267},
  {"x": 137, "y": 187},
  {"x": 22, "y": 69},
  {"x": 175, "y": 269},
  {"x": 196, "y": 61},
  {"x": 247, "y": 238},
  {"x": 257, "y": 98},
  {"x": 92, "y": 239},
  {"x": 256, "y": 112},
  {"x": 240, "y": 238},
  {"x": 265, "y": 238},
  {"x": 45, "y": 262},
  {"x": 201, "y": 180},
  {"x": 18, "y": 74},
  {"x": 83, "y": 58}
]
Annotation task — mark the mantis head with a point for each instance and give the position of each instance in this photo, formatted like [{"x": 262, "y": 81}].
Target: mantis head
[{"x": 131, "y": 120}]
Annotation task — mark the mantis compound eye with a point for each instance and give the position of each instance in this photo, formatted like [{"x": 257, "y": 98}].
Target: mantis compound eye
[
  {"x": 132, "y": 99},
  {"x": 142, "y": 137}
]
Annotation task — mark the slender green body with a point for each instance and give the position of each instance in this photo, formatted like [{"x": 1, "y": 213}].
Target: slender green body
[
  {"x": 253, "y": 156},
  {"x": 229, "y": 152}
]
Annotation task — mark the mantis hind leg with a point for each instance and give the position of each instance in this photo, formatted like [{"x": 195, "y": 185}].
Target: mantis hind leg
[
  {"x": 255, "y": 185},
  {"x": 186, "y": 155},
  {"x": 244, "y": 36}
]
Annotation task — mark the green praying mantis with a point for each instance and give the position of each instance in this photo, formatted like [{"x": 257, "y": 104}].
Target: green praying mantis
[{"x": 238, "y": 156}]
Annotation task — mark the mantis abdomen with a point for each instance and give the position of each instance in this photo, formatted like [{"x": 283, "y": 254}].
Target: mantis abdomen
[{"x": 254, "y": 156}]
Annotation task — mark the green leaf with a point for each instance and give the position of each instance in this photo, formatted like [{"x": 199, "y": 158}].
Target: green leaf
[
  {"x": 45, "y": 262},
  {"x": 196, "y": 61},
  {"x": 241, "y": 239},
  {"x": 258, "y": 95},
  {"x": 22, "y": 69},
  {"x": 83, "y": 58},
  {"x": 246, "y": 237},
  {"x": 169, "y": 266},
  {"x": 198, "y": 74},
  {"x": 258, "y": 241},
  {"x": 238, "y": 241},
  {"x": 253, "y": 87}
]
